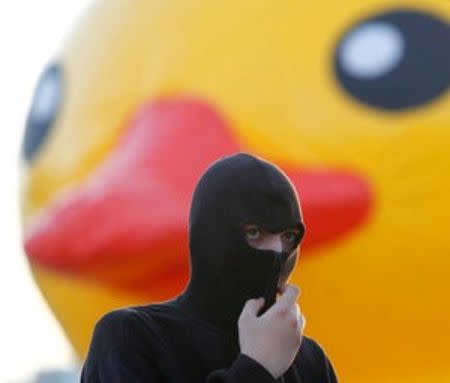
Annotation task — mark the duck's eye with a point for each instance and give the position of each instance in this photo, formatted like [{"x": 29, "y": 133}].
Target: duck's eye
[
  {"x": 252, "y": 233},
  {"x": 43, "y": 112},
  {"x": 395, "y": 60}
]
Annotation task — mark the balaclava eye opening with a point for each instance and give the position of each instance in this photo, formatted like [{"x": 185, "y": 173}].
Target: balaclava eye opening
[{"x": 225, "y": 270}]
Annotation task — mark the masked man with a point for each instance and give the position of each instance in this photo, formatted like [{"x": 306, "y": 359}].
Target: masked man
[{"x": 245, "y": 228}]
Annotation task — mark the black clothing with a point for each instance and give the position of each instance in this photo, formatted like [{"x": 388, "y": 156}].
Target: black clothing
[
  {"x": 233, "y": 192},
  {"x": 194, "y": 338},
  {"x": 169, "y": 343}
]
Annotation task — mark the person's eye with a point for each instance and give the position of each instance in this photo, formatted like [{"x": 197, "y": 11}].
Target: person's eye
[
  {"x": 290, "y": 236},
  {"x": 252, "y": 233}
]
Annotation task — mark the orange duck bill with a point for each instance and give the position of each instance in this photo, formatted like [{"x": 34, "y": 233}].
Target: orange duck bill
[{"x": 127, "y": 225}]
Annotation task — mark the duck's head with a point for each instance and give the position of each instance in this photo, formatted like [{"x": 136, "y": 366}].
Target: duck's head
[{"x": 350, "y": 99}]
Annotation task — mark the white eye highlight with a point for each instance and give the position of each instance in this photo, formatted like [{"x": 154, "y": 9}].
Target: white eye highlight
[{"x": 372, "y": 50}]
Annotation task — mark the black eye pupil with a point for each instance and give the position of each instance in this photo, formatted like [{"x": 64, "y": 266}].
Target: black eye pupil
[{"x": 43, "y": 111}]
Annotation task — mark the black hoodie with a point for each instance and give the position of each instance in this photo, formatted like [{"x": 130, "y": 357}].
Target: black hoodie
[{"x": 194, "y": 338}]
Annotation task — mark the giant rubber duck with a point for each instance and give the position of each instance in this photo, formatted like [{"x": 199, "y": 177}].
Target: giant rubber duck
[{"x": 349, "y": 98}]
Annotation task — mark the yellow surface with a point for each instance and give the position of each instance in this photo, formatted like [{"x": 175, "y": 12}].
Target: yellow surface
[{"x": 377, "y": 301}]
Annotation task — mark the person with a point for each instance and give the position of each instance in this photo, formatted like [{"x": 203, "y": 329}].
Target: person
[{"x": 237, "y": 320}]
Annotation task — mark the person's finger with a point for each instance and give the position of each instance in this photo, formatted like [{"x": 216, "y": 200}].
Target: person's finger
[
  {"x": 296, "y": 309},
  {"x": 303, "y": 323},
  {"x": 283, "y": 289},
  {"x": 252, "y": 307},
  {"x": 288, "y": 298}
]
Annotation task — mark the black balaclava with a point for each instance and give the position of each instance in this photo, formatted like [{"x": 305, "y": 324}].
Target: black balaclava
[{"x": 225, "y": 270}]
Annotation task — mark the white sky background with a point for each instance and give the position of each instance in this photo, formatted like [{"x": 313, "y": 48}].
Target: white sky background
[{"x": 31, "y": 32}]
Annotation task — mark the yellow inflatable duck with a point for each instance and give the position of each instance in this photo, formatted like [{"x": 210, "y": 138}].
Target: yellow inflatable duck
[{"x": 350, "y": 98}]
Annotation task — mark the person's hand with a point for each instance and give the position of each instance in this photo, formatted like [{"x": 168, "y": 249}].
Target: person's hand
[{"x": 273, "y": 339}]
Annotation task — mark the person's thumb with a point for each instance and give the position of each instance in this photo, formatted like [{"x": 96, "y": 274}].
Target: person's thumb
[{"x": 252, "y": 307}]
